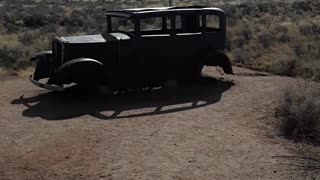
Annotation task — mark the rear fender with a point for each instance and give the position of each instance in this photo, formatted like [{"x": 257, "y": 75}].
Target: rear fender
[{"x": 219, "y": 58}]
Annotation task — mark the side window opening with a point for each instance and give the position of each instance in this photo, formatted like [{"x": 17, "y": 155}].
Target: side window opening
[
  {"x": 151, "y": 24},
  {"x": 122, "y": 24},
  {"x": 187, "y": 24},
  {"x": 159, "y": 25},
  {"x": 212, "y": 23},
  {"x": 179, "y": 24},
  {"x": 168, "y": 23}
]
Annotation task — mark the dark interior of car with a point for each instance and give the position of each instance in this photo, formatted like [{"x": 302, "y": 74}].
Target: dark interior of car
[{"x": 185, "y": 24}]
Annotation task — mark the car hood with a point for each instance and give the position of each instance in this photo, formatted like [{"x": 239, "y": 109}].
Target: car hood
[{"x": 96, "y": 38}]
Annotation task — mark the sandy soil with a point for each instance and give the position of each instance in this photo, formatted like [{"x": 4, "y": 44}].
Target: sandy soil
[{"x": 217, "y": 129}]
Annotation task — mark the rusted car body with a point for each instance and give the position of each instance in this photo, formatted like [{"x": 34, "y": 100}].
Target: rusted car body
[{"x": 171, "y": 43}]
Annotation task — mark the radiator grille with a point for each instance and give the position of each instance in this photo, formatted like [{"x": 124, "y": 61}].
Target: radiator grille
[{"x": 57, "y": 51}]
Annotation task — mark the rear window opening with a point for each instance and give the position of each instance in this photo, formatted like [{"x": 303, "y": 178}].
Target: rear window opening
[{"x": 213, "y": 23}]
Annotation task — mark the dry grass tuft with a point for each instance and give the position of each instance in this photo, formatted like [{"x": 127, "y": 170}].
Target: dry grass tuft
[{"x": 299, "y": 112}]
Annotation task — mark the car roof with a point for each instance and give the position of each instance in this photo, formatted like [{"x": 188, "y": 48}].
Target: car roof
[{"x": 160, "y": 10}]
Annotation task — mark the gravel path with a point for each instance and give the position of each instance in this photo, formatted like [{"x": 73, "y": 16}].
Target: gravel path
[{"x": 217, "y": 129}]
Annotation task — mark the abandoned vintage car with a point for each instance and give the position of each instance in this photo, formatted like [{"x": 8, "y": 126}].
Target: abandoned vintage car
[{"x": 141, "y": 48}]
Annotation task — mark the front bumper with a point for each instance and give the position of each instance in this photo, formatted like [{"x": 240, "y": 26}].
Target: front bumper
[{"x": 50, "y": 87}]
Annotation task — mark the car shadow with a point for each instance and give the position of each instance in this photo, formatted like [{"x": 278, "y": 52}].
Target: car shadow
[{"x": 76, "y": 102}]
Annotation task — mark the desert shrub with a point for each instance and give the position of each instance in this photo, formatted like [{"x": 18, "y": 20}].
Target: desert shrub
[
  {"x": 284, "y": 66},
  {"x": 231, "y": 22},
  {"x": 299, "y": 113},
  {"x": 266, "y": 39},
  {"x": 264, "y": 7},
  {"x": 241, "y": 56},
  {"x": 76, "y": 19},
  {"x": 300, "y": 49},
  {"x": 309, "y": 68},
  {"x": 306, "y": 29},
  {"x": 51, "y": 28},
  {"x": 281, "y": 29},
  {"x": 35, "y": 20},
  {"x": 301, "y": 6},
  {"x": 239, "y": 42},
  {"x": 26, "y": 39},
  {"x": 283, "y": 38},
  {"x": 265, "y": 20},
  {"x": 280, "y": 33},
  {"x": 9, "y": 56},
  {"x": 246, "y": 8},
  {"x": 246, "y": 32}
]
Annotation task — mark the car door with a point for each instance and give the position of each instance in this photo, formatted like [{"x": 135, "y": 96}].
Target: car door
[{"x": 156, "y": 46}]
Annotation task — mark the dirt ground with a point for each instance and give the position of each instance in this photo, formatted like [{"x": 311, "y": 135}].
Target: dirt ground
[{"x": 220, "y": 128}]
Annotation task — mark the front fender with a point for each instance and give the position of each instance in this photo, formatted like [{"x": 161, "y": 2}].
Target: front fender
[
  {"x": 44, "y": 65},
  {"x": 80, "y": 71},
  {"x": 40, "y": 55}
]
